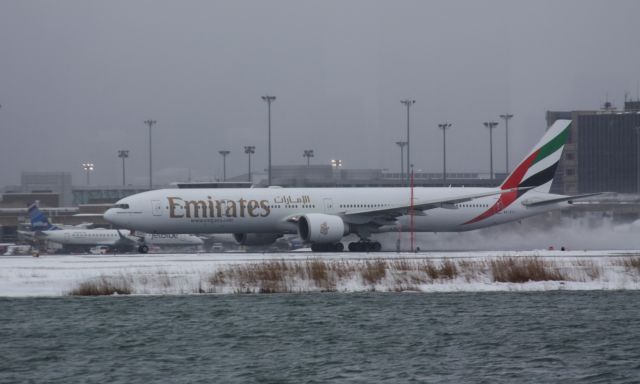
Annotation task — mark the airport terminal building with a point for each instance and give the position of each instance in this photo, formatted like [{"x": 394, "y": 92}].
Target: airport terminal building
[{"x": 603, "y": 151}]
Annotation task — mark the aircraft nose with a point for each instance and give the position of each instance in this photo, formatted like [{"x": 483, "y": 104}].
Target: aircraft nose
[{"x": 110, "y": 216}]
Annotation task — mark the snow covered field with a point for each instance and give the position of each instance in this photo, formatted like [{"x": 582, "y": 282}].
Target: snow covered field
[{"x": 57, "y": 275}]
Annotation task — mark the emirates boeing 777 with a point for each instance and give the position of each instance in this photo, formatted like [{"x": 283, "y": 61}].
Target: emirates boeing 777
[{"x": 323, "y": 216}]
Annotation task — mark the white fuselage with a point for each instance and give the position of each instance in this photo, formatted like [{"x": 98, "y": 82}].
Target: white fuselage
[
  {"x": 111, "y": 237},
  {"x": 273, "y": 210},
  {"x": 89, "y": 237}
]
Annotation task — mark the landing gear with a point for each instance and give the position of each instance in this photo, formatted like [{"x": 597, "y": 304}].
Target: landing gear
[
  {"x": 338, "y": 247},
  {"x": 365, "y": 246},
  {"x": 143, "y": 249}
]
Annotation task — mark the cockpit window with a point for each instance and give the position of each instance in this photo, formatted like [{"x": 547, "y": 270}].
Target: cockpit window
[{"x": 121, "y": 206}]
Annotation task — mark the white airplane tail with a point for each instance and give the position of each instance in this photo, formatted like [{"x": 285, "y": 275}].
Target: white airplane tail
[{"x": 537, "y": 170}]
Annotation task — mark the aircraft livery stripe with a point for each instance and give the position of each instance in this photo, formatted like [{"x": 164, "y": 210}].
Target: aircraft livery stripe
[
  {"x": 555, "y": 144},
  {"x": 515, "y": 179}
]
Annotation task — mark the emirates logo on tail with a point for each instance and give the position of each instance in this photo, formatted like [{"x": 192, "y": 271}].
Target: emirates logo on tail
[{"x": 536, "y": 170}]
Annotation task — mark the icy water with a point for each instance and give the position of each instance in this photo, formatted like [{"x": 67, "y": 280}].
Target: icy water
[{"x": 568, "y": 337}]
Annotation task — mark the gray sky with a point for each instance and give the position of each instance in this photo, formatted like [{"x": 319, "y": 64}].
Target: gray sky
[{"x": 78, "y": 78}]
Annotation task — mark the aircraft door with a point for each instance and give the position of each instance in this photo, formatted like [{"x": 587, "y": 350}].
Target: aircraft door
[
  {"x": 328, "y": 205},
  {"x": 156, "y": 207}
]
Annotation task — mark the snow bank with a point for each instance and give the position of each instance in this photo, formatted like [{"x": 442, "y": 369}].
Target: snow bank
[{"x": 58, "y": 275}]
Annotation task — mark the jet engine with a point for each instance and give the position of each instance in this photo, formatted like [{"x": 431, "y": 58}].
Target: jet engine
[
  {"x": 322, "y": 229},
  {"x": 256, "y": 238}
]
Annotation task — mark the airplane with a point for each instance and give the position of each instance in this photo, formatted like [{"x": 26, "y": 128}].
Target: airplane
[
  {"x": 323, "y": 216},
  {"x": 82, "y": 239}
]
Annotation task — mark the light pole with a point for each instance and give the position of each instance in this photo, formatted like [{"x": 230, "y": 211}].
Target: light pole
[
  {"x": 506, "y": 118},
  {"x": 444, "y": 127},
  {"x": 308, "y": 153},
  {"x": 401, "y": 144},
  {"x": 88, "y": 167},
  {"x": 491, "y": 125},
  {"x": 224, "y": 154},
  {"x": 123, "y": 154},
  {"x": 269, "y": 99},
  {"x": 249, "y": 150},
  {"x": 408, "y": 103},
  {"x": 150, "y": 123}
]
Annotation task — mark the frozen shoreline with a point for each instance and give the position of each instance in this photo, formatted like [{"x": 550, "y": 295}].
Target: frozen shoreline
[{"x": 57, "y": 275}]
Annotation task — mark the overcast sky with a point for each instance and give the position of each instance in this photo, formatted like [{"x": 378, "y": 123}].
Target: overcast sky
[{"x": 78, "y": 78}]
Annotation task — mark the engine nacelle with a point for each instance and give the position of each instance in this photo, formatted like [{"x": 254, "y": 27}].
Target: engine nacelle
[
  {"x": 321, "y": 229},
  {"x": 256, "y": 238}
]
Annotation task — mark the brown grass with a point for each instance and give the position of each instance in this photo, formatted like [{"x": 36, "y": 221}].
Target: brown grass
[
  {"x": 374, "y": 271},
  {"x": 402, "y": 274},
  {"x": 269, "y": 277},
  {"x": 446, "y": 270},
  {"x": 402, "y": 265},
  {"x": 280, "y": 276},
  {"x": 103, "y": 286},
  {"x": 590, "y": 269},
  {"x": 631, "y": 264},
  {"x": 471, "y": 269},
  {"x": 521, "y": 270}
]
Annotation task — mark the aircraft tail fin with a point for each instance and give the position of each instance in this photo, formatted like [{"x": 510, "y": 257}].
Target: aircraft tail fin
[
  {"x": 537, "y": 170},
  {"x": 39, "y": 221}
]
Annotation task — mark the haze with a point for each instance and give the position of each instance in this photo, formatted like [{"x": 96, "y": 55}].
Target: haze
[{"x": 78, "y": 78}]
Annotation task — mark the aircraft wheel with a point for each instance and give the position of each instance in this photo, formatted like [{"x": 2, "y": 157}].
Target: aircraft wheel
[
  {"x": 339, "y": 247},
  {"x": 359, "y": 246},
  {"x": 143, "y": 249},
  {"x": 376, "y": 247}
]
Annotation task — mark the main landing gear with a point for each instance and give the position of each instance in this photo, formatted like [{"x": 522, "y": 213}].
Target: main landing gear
[
  {"x": 365, "y": 246},
  {"x": 337, "y": 247},
  {"x": 360, "y": 246},
  {"x": 143, "y": 249}
]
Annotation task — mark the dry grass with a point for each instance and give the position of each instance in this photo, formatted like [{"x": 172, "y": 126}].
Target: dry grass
[
  {"x": 589, "y": 268},
  {"x": 103, "y": 286},
  {"x": 274, "y": 276},
  {"x": 374, "y": 271},
  {"x": 631, "y": 264},
  {"x": 445, "y": 270},
  {"x": 318, "y": 275},
  {"x": 522, "y": 270},
  {"x": 268, "y": 277},
  {"x": 326, "y": 276},
  {"x": 282, "y": 277},
  {"x": 164, "y": 279},
  {"x": 471, "y": 270},
  {"x": 318, "y": 271},
  {"x": 402, "y": 265}
]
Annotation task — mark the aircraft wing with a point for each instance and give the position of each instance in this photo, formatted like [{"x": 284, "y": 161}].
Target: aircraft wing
[
  {"x": 420, "y": 206},
  {"x": 537, "y": 203},
  {"x": 385, "y": 215}
]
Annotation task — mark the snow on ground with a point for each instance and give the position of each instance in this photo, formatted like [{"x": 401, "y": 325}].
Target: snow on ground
[{"x": 57, "y": 275}]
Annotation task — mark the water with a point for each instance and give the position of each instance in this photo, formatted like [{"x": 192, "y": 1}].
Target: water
[{"x": 568, "y": 337}]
